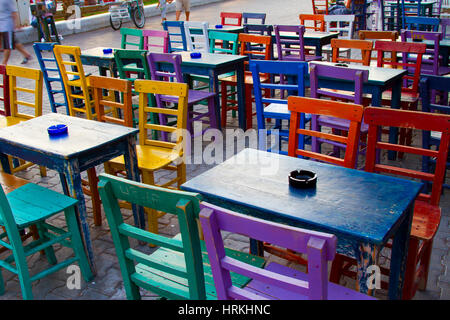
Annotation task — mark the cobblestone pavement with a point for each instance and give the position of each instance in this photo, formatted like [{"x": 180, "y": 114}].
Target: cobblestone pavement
[{"x": 108, "y": 282}]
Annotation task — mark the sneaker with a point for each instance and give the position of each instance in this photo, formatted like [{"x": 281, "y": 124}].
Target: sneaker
[{"x": 26, "y": 59}]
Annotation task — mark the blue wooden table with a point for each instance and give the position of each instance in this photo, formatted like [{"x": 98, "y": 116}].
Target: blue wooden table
[
  {"x": 87, "y": 144},
  {"x": 380, "y": 80},
  {"x": 362, "y": 209}
]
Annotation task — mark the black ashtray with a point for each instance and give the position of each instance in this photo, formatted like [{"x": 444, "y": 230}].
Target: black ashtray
[{"x": 302, "y": 179}]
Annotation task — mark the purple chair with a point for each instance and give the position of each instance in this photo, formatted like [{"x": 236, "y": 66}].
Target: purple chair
[
  {"x": 275, "y": 281},
  {"x": 194, "y": 97},
  {"x": 319, "y": 90},
  {"x": 431, "y": 61},
  {"x": 292, "y": 49}
]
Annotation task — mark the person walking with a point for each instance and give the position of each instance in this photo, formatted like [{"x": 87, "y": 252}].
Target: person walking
[
  {"x": 9, "y": 20},
  {"x": 162, "y": 5},
  {"x": 183, "y": 4}
]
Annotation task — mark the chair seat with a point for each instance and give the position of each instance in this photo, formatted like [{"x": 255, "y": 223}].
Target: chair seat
[
  {"x": 340, "y": 124},
  {"x": 335, "y": 292},
  {"x": 10, "y": 121},
  {"x": 26, "y": 208},
  {"x": 232, "y": 80},
  {"x": 280, "y": 111},
  {"x": 150, "y": 157},
  {"x": 193, "y": 97},
  {"x": 426, "y": 220},
  {"x": 296, "y": 57},
  {"x": 428, "y": 69},
  {"x": 405, "y": 97},
  {"x": 176, "y": 259}
]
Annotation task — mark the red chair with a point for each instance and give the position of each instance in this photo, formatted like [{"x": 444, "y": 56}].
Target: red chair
[
  {"x": 5, "y": 97},
  {"x": 320, "y": 6},
  {"x": 231, "y": 15},
  {"x": 228, "y": 103},
  {"x": 427, "y": 213}
]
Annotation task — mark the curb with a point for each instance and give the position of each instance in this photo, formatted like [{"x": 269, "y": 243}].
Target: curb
[{"x": 67, "y": 27}]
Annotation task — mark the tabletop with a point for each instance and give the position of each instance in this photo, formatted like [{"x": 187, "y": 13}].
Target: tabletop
[
  {"x": 311, "y": 34},
  {"x": 349, "y": 202},
  {"x": 210, "y": 59},
  {"x": 376, "y": 74},
  {"x": 83, "y": 135},
  {"x": 97, "y": 52}
]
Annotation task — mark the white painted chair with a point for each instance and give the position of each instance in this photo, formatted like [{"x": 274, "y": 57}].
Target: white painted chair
[
  {"x": 344, "y": 24},
  {"x": 197, "y": 42}
]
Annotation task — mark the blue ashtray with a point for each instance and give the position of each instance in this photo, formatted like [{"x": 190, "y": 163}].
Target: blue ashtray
[
  {"x": 196, "y": 55},
  {"x": 57, "y": 130},
  {"x": 106, "y": 51},
  {"x": 219, "y": 26}
]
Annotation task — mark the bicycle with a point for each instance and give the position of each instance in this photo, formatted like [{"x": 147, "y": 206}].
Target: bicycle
[{"x": 133, "y": 9}]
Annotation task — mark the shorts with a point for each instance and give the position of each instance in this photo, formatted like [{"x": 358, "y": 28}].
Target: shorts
[
  {"x": 186, "y": 4},
  {"x": 7, "y": 40}
]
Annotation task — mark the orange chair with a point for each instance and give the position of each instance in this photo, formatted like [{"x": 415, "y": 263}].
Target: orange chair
[
  {"x": 377, "y": 35},
  {"x": 317, "y": 19},
  {"x": 228, "y": 103},
  {"x": 427, "y": 213},
  {"x": 364, "y": 45}
]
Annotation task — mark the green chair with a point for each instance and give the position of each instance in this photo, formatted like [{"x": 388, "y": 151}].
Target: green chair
[
  {"x": 31, "y": 205},
  {"x": 128, "y": 35},
  {"x": 180, "y": 268}
]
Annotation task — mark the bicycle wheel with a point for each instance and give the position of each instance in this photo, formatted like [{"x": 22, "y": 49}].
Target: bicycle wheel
[
  {"x": 116, "y": 24},
  {"x": 138, "y": 16}
]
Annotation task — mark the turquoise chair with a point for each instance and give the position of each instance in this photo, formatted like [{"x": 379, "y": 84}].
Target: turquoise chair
[{"x": 31, "y": 205}]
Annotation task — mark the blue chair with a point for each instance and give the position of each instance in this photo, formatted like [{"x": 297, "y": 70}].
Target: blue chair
[
  {"x": 441, "y": 87},
  {"x": 177, "y": 35},
  {"x": 411, "y": 8},
  {"x": 255, "y": 16},
  {"x": 51, "y": 73},
  {"x": 276, "y": 108},
  {"x": 422, "y": 23}
]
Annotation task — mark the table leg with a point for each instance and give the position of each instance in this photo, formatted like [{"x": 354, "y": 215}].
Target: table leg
[
  {"x": 367, "y": 255},
  {"x": 74, "y": 187},
  {"x": 132, "y": 169},
  {"x": 395, "y": 104},
  {"x": 399, "y": 256},
  {"x": 5, "y": 163},
  {"x": 444, "y": 51},
  {"x": 214, "y": 86},
  {"x": 318, "y": 49},
  {"x": 240, "y": 75}
]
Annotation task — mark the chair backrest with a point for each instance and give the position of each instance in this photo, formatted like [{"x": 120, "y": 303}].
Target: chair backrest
[
  {"x": 98, "y": 84},
  {"x": 158, "y": 35},
  {"x": 320, "y": 248},
  {"x": 320, "y": 6},
  {"x": 290, "y": 48},
  {"x": 131, "y": 37},
  {"x": 51, "y": 74},
  {"x": 318, "y": 21},
  {"x": 422, "y": 23},
  {"x": 156, "y": 73},
  {"x": 248, "y": 41},
  {"x": 72, "y": 73},
  {"x": 342, "y": 24},
  {"x": 432, "y": 54},
  {"x": 445, "y": 25},
  {"x": 364, "y": 45},
  {"x": 381, "y": 117},
  {"x": 184, "y": 205},
  {"x": 262, "y": 29},
  {"x": 411, "y": 79},
  {"x": 236, "y": 18},
  {"x": 132, "y": 62},
  {"x": 5, "y": 92},
  {"x": 276, "y": 68},
  {"x": 180, "y": 90},
  {"x": 230, "y": 38},
  {"x": 197, "y": 39},
  {"x": 378, "y": 35},
  {"x": 412, "y": 8},
  {"x": 358, "y": 76},
  {"x": 429, "y": 83},
  {"x": 177, "y": 37},
  {"x": 17, "y": 93},
  {"x": 259, "y": 17},
  {"x": 348, "y": 111}
]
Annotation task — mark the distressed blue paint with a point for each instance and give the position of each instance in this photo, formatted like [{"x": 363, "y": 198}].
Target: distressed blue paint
[
  {"x": 357, "y": 206},
  {"x": 87, "y": 144}
]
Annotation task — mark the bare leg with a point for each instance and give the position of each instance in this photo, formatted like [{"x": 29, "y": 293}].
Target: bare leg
[
  {"x": 22, "y": 50},
  {"x": 177, "y": 15},
  {"x": 6, "y": 54},
  {"x": 187, "y": 15}
]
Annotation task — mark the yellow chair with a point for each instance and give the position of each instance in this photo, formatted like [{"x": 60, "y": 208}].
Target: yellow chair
[
  {"x": 75, "y": 81},
  {"x": 156, "y": 155},
  {"x": 17, "y": 94}
]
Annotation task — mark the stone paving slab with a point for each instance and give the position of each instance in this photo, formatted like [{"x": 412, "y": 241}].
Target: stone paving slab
[{"x": 108, "y": 283}]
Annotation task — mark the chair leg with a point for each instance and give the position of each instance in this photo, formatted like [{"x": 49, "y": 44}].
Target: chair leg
[
  {"x": 181, "y": 173},
  {"x": 212, "y": 113},
  {"x": 95, "y": 197},
  {"x": 49, "y": 251},
  {"x": 77, "y": 243},
  {"x": 152, "y": 215},
  {"x": 336, "y": 268},
  {"x": 248, "y": 106},
  {"x": 411, "y": 265},
  {"x": 224, "y": 104},
  {"x": 43, "y": 171},
  {"x": 425, "y": 265}
]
